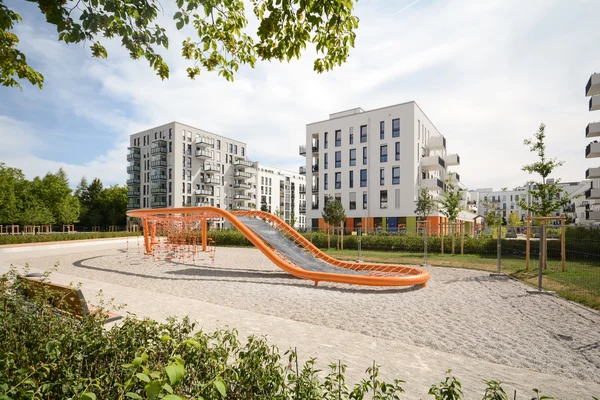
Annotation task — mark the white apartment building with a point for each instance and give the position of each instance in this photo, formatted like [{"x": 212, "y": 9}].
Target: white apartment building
[
  {"x": 375, "y": 162},
  {"x": 176, "y": 165},
  {"x": 592, "y": 150},
  {"x": 283, "y": 193}
]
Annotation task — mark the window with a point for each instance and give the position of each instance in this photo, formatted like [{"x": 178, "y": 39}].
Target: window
[
  {"x": 396, "y": 127},
  {"x": 235, "y": 149},
  {"x": 364, "y": 156},
  {"x": 189, "y": 188},
  {"x": 325, "y": 184},
  {"x": 383, "y": 153},
  {"x": 397, "y": 145},
  {"x": 218, "y": 144},
  {"x": 170, "y": 133},
  {"x": 352, "y": 157},
  {"x": 382, "y": 130},
  {"x": 189, "y": 162},
  {"x": 326, "y": 161},
  {"x": 351, "y": 180},
  {"x": 363, "y": 134},
  {"x": 338, "y": 138},
  {"x": 183, "y": 171},
  {"x": 326, "y": 141},
  {"x": 352, "y": 200},
  {"x": 189, "y": 149},
  {"x": 338, "y": 180},
  {"x": 183, "y": 187},
  {"x": 338, "y": 159},
  {"x": 383, "y": 199},
  {"x": 170, "y": 147},
  {"x": 364, "y": 200},
  {"x": 382, "y": 176},
  {"x": 363, "y": 178},
  {"x": 170, "y": 187},
  {"x": 395, "y": 175},
  {"x": 243, "y": 151},
  {"x": 351, "y": 138}
]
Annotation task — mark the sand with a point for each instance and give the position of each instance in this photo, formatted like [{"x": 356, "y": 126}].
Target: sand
[{"x": 482, "y": 327}]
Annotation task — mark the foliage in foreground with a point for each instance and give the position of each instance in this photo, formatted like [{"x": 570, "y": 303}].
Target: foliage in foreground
[{"x": 46, "y": 355}]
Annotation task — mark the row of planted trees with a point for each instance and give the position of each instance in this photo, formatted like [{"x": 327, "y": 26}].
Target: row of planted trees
[{"x": 50, "y": 200}]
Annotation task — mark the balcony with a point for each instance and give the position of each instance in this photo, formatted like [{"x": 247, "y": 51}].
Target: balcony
[
  {"x": 434, "y": 184},
  {"x": 133, "y": 206},
  {"x": 302, "y": 208},
  {"x": 211, "y": 168},
  {"x": 314, "y": 206},
  {"x": 315, "y": 147},
  {"x": 433, "y": 163},
  {"x": 592, "y": 215},
  {"x": 133, "y": 156},
  {"x": 133, "y": 168},
  {"x": 154, "y": 204},
  {"x": 242, "y": 208},
  {"x": 158, "y": 190},
  {"x": 158, "y": 150},
  {"x": 302, "y": 150},
  {"x": 436, "y": 143},
  {"x": 241, "y": 174},
  {"x": 315, "y": 189},
  {"x": 592, "y": 150},
  {"x": 241, "y": 164},
  {"x": 239, "y": 197},
  {"x": 592, "y": 194},
  {"x": 302, "y": 189},
  {"x": 204, "y": 203},
  {"x": 595, "y": 103},
  {"x": 158, "y": 177},
  {"x": 242, "y": 186},
  {"x": 302, "y": 170},
  {"x": 454, "y": 177},
  {"x": 158, "y": 164},
  {"x": 211, "y": 181},
  {"x": 593, "y": 86},
  {"x": 133, "y": 193},
  {"x": 315, "y": 168},
  {"x": 133, "y": 181},
  {"x": 452, "y": 160},
  {"x": 592, "y": 130},
  {"x": 204, "y": 141},
  {"x": 204, "y": 153},
  {"x": 592, "y": 173},
  {"x": 203, "y": 192}
]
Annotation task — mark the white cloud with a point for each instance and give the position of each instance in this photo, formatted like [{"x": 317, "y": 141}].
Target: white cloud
[{"x": 486, "y": 73}]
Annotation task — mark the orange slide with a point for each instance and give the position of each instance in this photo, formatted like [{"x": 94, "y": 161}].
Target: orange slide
[{"x": 283, "y": 245}]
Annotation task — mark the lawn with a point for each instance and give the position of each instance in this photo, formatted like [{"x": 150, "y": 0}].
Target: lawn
[{"x": 580, "y": 282}]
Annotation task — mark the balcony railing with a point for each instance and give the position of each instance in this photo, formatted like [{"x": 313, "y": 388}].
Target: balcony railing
[
  {"x": 302, "y": 170},
  {"x": 302, "y": 189},
  {"x": 158, "y": 204},
  {"x": 204, "y": 153},
  {"x": 158, "y": 190},
  {"x": 241, "y": 174},
  {"x": 133, "y": 156},
  {"x": 242, "y": 197},
  {"x": 205, "y": 141},
  {"x": 302, "y": 150},
  {"x": 133, "y": 206},
  {"x": 432, "y": 163},
  {"x": 133, "y": 168},
  {"x": 211, "y": 168},
  {"x": 203, "y": 204},
  {"x": 433, "y": 184},
  {"x": 243, "y": 164},
  {"x": 158, "y": 177},
  {"x": 134, "y": 149},
  {"x": 315, "y": 188},
  {"x": 211, "y": 181},
  {"x": 315, "y": 168},
  {"x": 452, "y": 159},
  {"x": 242, "y": 186},
  {"x": 204, "y": 192},
  {"x": 158, "y": 150},
  {"x": 592, "y": 129},
  {"x": 133, "y": 181},
  {"x": 133, "y": 193},
  {"x": 158, "y": 164},
  {"x": 314, "y": 206}
]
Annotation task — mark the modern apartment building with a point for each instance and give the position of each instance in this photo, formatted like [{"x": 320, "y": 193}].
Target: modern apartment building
[
  {"x": 176, "y": 165},
  {"x": 283, "y": 193},
  {"x": 592, "y": 150},
  {"x": 375, "y": 162}
]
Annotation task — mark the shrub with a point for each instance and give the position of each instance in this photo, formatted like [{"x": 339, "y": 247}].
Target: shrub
[{"x": 59, "y": 237}]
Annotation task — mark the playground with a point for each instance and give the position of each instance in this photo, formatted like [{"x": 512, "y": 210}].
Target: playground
[{"x": 481, "y": 327}]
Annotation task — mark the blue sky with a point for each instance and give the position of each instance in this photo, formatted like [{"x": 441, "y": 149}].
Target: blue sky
[{"x": 486, "y": 73}]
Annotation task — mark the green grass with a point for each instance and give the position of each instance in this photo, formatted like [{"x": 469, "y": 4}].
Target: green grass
[{"x": 580, "y": 282}]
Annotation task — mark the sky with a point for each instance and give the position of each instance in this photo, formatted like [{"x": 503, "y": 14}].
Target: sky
[{"x": 487, "y": 73}]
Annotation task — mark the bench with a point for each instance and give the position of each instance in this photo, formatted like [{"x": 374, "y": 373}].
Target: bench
[{"x": 64, "y": 298}]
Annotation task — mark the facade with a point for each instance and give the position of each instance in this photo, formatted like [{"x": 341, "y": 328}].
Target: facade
[
  {"x": 376, "y": 162},
  {"x": 592, "y": 195},
  {"x": 283, "y": 193}
]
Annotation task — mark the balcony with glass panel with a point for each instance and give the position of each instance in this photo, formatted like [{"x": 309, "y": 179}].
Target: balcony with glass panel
[
  {"x": 158, "y": 164},
  {"x": 204, "y": 153},
  {"x": 156, "y": 204},
  {"x": 203, "y": 203},
  {"x": 159, "y": 148},
  {"x": 134, "y": 192},
  {"x": 134, "y": 153},
  {"x": 158, "y": 190},
  {"x": 242, "y": 175},
  {"x": 211, "y": 168},
  {"x": 243, "y": 164},
  {"x": 133, "y": 168},
  {"x": 302, "y": 170},
  {"x": 203, "y": 141},
  {"x": 211, "y": 181},
  {"x": 302, "y": 150},
  {"x": 133, "y": 180},
  {"x": 433, "y": 163},
  {"x": 158, "y": 177},
  {"x": 132, "y": 205},
  {"x": 243, "y": 186},
  {"x": 203, "y": 192},
  {"x": 242, "y": 197}
]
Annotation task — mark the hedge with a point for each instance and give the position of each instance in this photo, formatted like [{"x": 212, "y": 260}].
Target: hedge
[{"x": 59, "y": 237}]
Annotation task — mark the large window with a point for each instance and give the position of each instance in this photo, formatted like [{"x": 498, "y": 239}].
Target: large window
[
  {"x": 326, "y": 161},
  {"x": 338, "y": 138},
  {"x": 353, "y": 201},
  {"x": 364, "y": 156},
  {"x": 383, "y": 153},
  {"x": 338, "y": 159},
  {"x": 395, "y": 175},
  {"x": 382, "y": 130},
  {"x": 363, "y": 134},
  {"x": 383, "y": 199},
  {"x": 326, "y": 140},
  {"x": 338, "y": 180},
  {"x": 325, "y": 183},
  {"x": 397, "y": 151},
  {"x": 395, "y": 128},
  {"x": 363, "y": 178},
  {"x": 351, "y": 180},
  {"x": 352, "y": 157},
  {"x": 382, "y": 176}
]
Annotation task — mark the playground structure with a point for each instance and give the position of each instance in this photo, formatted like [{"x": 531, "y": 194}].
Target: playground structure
[{"x": 183, "y": 232}]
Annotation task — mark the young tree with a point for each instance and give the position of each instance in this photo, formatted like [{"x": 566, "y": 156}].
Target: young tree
[
  {"x": 514, "y": 219},
  {"x": 450, "y": 207},
  {"x": 334, "y": 215},
  {"x": 263, "y": 207},
  {"x": 292, "y": 220},
  {"x": 67, "y": 211},
  {"x": 425, "y": 205},
  {"x": 494, "y": 216},
  {"x": 223, "y": 40}
]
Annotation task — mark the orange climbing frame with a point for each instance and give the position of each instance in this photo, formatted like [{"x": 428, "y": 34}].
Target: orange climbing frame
[{"x": 376, "y": 274}]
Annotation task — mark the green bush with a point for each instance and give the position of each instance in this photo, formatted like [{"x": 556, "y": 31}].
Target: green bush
[
  {"x": 45, "y": 355},
  {"x": 59, "y": 237}
]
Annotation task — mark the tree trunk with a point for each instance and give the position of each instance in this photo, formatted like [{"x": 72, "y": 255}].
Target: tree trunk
[
  {"x": 342, "y": 233},
  {"x": 453, "y": 234},
  {"x": 328, "y": 237}
]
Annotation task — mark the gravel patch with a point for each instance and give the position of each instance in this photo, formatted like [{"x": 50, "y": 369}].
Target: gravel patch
[{"x": 461, "y": 312}]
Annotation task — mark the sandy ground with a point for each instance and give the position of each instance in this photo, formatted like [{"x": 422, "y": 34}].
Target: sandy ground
[{"x": 481, "y": 327}]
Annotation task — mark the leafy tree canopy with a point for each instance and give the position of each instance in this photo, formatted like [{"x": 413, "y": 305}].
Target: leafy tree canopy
[
  {"x": 425, "y": 204},
  {"x": 333, "y": 211},
  {"x": 450, "y": 203},
  {"x": 219, "y": 35}
]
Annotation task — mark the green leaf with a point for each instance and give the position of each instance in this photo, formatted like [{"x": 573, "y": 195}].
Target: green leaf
[
  {"x": 137, "y": 362},
  {"x": 142, "y": 377},
  {"x": 179, "y": 25},
  {"x": 175, "y": 373},
  {"x": 153, "y": 389},
  {"x": 220, "y": 386},
  {"x": 165, "y": 338},
  {"x": 132, "y": 395},
  {"x": 172, "y": 397},
  {"x": 88, "y": 396}
]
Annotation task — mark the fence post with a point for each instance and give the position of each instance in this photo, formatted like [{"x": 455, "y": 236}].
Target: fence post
[
  {"x": 310, "y": 230},
  {"x": 562, "y": 243},
  {"x": 499, "y": 248},
  {"x": 528, "y": 244},
  {"x": 541, "y": 261},
  {"x": 425, "y": 247},
  {"x": 359, "y": 233}
]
